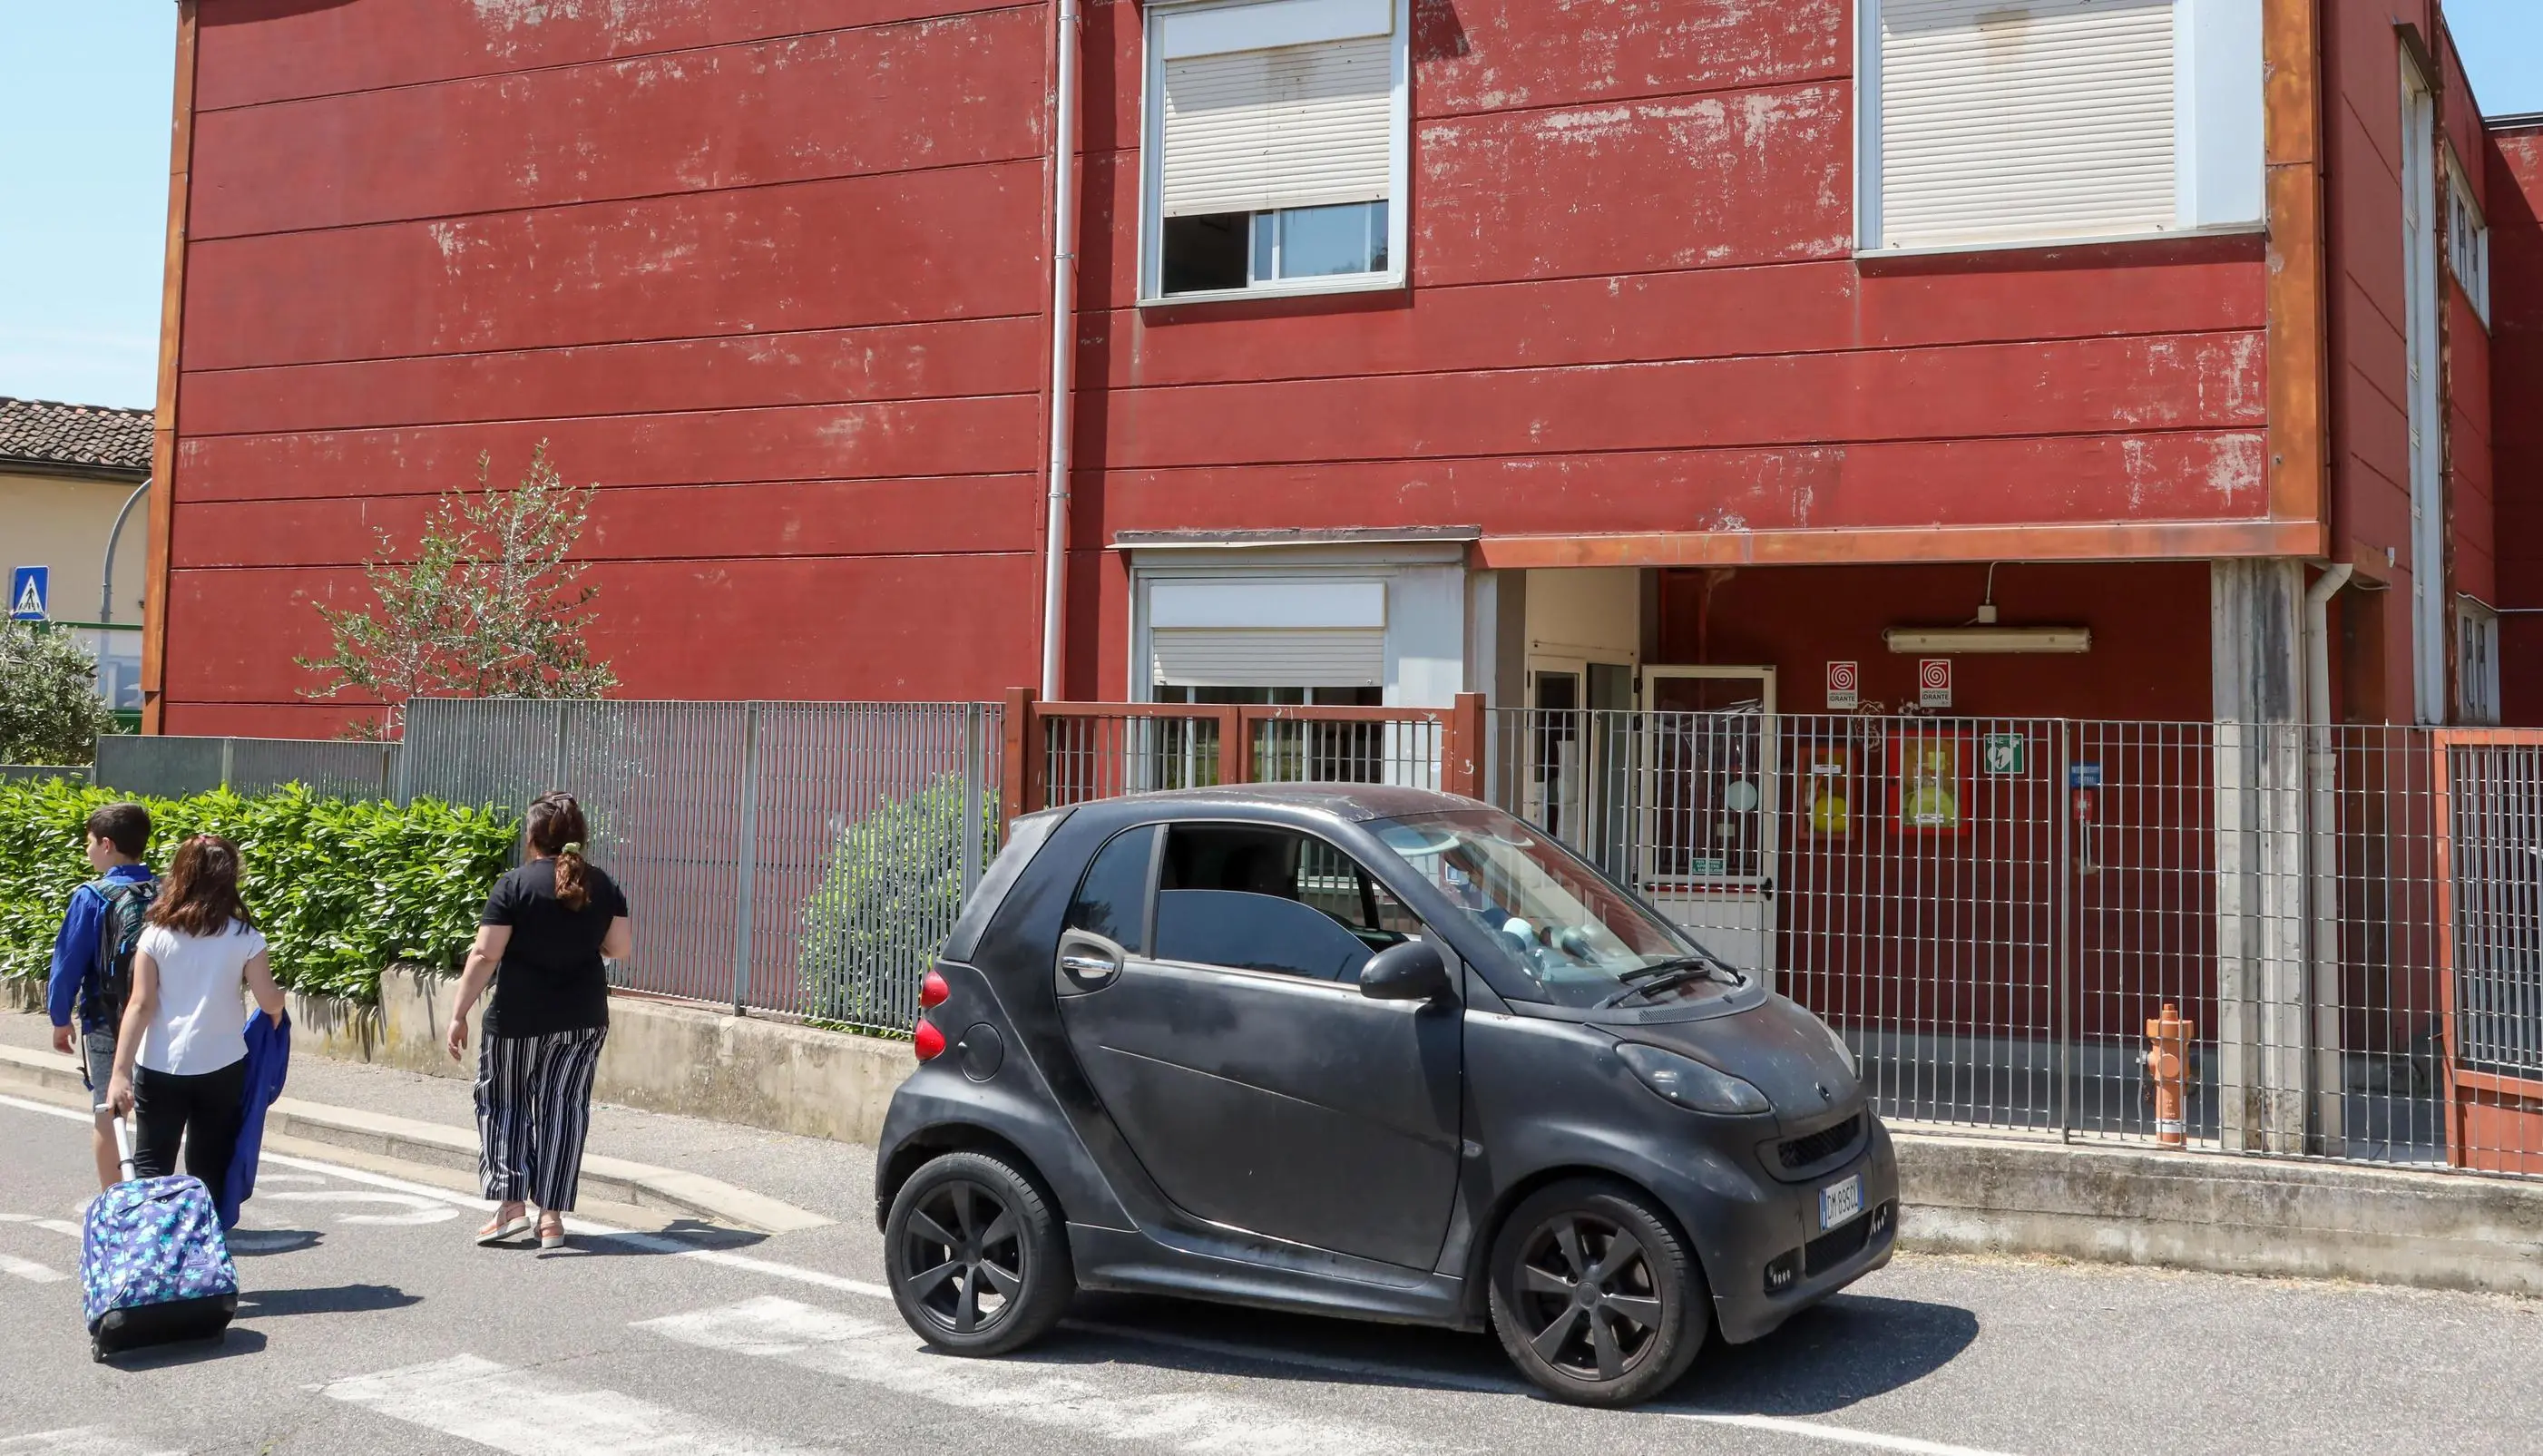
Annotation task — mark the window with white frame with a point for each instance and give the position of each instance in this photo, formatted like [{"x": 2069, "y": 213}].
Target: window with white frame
[
  {"x": 2467, "y": 239},
  {"x": 1275, "y": 146},
  {"x": 2012, "y": 122},
  {"x": 2476, "y": 663}
]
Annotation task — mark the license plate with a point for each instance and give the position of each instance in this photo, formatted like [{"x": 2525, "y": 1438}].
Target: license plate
[{"x": 1841, "y": 1203}]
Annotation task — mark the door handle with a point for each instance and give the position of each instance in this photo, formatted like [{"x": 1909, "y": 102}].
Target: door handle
[{"x": 1089, "y": 970}]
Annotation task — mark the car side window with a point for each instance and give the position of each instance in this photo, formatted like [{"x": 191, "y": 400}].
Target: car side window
[
  {"x": 1259, "y": 898},
  {"x": 1113, "y": 900}
]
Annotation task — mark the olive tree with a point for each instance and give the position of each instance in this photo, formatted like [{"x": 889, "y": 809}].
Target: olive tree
[
  {"x": 489, "y": 604},
  {"x": 50, "y": 708}
]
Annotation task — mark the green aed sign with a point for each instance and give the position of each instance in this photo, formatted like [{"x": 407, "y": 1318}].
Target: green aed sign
[{"x": 2004, "y": 753}]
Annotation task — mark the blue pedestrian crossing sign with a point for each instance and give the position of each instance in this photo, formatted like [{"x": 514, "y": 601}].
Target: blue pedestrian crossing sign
[{"x": 30, "y": 587}]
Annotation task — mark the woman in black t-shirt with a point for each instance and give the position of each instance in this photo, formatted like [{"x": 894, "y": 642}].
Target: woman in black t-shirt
[{"x": 546, "y": 929}]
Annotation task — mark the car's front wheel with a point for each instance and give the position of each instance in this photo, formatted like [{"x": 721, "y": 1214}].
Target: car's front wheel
[
  {"x": 976, "y": 1256},
  {"x": 1595, "y": 1296}
]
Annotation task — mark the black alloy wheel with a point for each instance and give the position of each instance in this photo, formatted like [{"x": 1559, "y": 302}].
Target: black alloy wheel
[
  {"x": 1594, "y": 1296},
  {"x": 976, "y": 1257}
]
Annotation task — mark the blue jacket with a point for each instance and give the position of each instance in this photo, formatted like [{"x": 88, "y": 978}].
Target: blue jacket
[
  {"x": 75, "y": 950},
  {"x": 269, "y": 1062}
]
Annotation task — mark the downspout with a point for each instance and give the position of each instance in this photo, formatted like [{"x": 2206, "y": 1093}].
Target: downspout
[
  {"x": 2330, "y": 1076},
  {"x": 1063, "y": 342},
  {"x": 105, "y": 574}
]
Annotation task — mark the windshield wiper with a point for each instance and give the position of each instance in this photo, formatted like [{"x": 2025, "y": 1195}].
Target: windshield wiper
[{"x": 1677, "y": 970}]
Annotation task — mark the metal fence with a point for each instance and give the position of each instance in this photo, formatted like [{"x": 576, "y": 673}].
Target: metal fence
[
  {"x": 804, "y": 858},
  {"x": 1071, "y": 752},
  {"x": 35, "y": 773},
  {"x": 172, "y": 767},
  {"x": 1993, "y": 910}
]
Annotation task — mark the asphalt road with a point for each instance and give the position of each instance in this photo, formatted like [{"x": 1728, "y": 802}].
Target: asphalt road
[{"x": 368, "y": 1323}]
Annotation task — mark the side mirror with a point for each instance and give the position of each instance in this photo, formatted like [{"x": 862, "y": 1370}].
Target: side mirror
[{"x": 1412, "y": 971}]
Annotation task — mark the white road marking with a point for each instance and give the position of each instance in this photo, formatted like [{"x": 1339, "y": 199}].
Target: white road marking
[
  {"x": 419, "y": 1209},
  {"x": 30, "y": 1271},
  {"x": 478, "y": 1400},
  {"x": 890, "y": 1358},
  {"x": 81, "y": 1440},
  {"x": 50, "y": 1225},
  {"x": 1839, "y": 1434}
]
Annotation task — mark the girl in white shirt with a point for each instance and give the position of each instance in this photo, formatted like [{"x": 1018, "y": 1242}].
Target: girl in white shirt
[{"x": 181, "y": 1058}]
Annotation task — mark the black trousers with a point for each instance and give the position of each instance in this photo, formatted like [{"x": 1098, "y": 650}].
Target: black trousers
[{"x": 204, "y": 1111}]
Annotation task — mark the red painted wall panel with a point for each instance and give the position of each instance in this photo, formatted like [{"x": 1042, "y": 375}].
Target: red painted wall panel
[
  {"x": 910, "y": 438},
  {"x": 900, "y": 362},
  {"x": 2515, "y": 215},
  {"x": 691, "y": 121},
  {"x": 265, "y": 51},
  {"x": 820, "y": 254},
  {"x": 829, "y": 517}
]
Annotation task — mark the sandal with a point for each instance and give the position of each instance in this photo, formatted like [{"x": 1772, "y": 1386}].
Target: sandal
[
  {"x": 502, "y": 1230},
  {"x": 553, "y": 1240}
]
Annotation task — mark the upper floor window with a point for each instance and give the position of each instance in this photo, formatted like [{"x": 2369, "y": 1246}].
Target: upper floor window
[
  {"x": 1275, "y": 147},
  {"x": 2014, "y": 122},
  {"x": 2467, "y": 239}
]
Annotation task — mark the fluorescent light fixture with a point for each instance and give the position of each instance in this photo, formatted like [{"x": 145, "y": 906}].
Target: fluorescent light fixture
[{"x": 1975, "y": 641}]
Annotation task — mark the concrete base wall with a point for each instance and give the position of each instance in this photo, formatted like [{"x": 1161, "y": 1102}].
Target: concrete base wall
[
  {"x": 667, "y": 1058},
  {"x": 2219, "y": 1213}
]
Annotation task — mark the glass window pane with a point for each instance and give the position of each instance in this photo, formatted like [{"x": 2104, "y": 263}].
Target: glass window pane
[
  {"x": 1319, "y": 241},
  {"x": 1203, "y": 253},
  {"x": 1255, "y": 931},
  {"x": 1113, "y": 901},
  {"x": 1377, "y": 236},
  {"x": 1267, "y": 257}
]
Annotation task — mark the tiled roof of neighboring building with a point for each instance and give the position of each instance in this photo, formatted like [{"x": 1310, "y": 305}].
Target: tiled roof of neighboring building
[{"x": 82, "y": 436}]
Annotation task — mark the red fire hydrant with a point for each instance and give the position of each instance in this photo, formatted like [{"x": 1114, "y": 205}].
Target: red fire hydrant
[{"x": 2166, "y": 1058}]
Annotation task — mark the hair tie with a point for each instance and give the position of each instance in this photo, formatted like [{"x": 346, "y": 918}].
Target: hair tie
[{"x": 572, "y": 848}]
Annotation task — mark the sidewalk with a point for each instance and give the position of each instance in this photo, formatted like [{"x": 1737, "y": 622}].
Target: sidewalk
[{"x": 829, "y": 1179}]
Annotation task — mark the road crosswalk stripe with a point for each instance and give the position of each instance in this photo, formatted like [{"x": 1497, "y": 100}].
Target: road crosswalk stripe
[
  {"x": 888, "y": 1356},
  {"x": 80, "y": 1440},
  {"x": 30, "y": 1271},
  {"x": 531, "y": 1415}
]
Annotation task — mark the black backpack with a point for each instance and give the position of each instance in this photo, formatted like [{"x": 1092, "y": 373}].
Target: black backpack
[{"x": 119, "y": 931}]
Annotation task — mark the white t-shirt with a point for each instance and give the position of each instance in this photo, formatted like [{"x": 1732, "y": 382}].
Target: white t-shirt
[{"x": 201, "y": 1023}]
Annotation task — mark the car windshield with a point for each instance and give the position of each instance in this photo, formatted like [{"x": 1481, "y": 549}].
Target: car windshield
[{"x": 1586, "y": 941}]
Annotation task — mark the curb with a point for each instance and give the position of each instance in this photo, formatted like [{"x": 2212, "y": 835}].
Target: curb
[{"x": 435, "y": 1145}]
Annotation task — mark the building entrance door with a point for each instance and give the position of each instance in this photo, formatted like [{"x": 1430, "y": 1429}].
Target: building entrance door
[{"x": 1708, "y": 795}]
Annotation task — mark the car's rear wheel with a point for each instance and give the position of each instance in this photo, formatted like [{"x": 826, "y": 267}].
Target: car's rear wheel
[
  {"x": 1596, "y": 1297},
  {"x": 976, "y": 1256}
]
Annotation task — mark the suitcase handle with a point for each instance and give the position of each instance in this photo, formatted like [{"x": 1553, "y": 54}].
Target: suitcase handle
[{"x": 123, "y": 1146}]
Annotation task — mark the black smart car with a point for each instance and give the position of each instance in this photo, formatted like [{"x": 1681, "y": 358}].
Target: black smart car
[{"x": 1367, "y": 1051}]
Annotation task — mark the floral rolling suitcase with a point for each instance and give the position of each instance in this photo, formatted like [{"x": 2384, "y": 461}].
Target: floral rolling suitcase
[{"x": 153, "y": 1265}]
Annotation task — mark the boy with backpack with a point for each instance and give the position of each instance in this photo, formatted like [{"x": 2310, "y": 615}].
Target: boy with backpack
[{"x": 91, "y": 971}]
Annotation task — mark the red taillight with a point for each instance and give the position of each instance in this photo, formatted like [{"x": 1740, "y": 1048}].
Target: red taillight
[
  {"x": 929, "y": 1042},
  {"x": 933, "y": 991}
]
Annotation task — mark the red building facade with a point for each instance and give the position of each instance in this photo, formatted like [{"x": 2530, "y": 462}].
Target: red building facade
[{"x": 1676, "y": 335}]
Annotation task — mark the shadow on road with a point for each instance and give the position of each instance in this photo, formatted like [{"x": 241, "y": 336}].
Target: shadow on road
[
  {"x": 1849, "y": 1349},
  {"x": 342, "y": 1299},
  {"x": 690, "y": 1233},
  {"x": 236, "y": 1341}
]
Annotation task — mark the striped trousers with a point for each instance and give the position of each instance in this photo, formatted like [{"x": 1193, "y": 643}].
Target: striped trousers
[{"x": 533, "y": 1110}]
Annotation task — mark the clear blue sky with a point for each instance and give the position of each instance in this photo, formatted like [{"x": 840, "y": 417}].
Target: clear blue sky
[{"x": 84, "y": 98}]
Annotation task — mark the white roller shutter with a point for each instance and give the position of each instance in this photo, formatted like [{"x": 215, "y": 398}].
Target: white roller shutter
[
  {"x": 2005, "y": 120},
  {"x": 1326, "y": 658},
  {"x": 1291, "y": 127}
]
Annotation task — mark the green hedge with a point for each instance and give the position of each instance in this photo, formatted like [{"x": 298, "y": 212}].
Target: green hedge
[{"x": 341, "y": 887}]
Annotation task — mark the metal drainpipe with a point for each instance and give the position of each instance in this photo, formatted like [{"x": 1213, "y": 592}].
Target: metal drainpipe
[
  {"x": 106, "y": 575},
  {"x": 1063, "y": 341},
  {"x": 2323, "y": 878}
]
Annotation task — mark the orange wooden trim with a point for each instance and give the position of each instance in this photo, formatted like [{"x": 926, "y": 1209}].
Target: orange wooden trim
[
  {"x": 1235, "y": 746},
  {"x": 1193, "y": 711},
  {"x": 1015, "y": 773},
  {"x": 1462, "y": 756},
  {"x": 2091, "y": 541},
  {"x": 2497, "y": 1084},
  {"x": 2297, "y": 290},
  {"x": 2441, "y": 781},
  {"x": 161, "y": 513}
]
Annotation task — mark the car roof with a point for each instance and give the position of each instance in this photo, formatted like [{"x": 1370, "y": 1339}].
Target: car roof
[{"x": 1348, "y": 801}]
